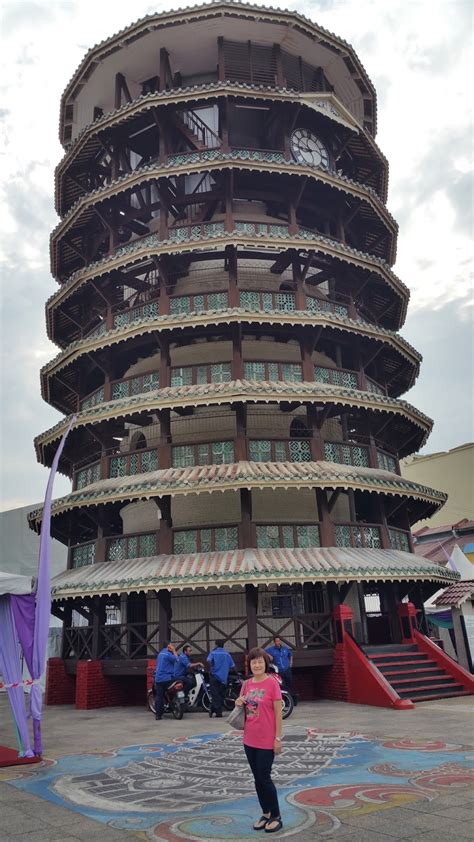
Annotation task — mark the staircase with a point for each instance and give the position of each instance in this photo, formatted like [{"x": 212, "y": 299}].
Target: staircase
[{"x": 413, "y": 674}]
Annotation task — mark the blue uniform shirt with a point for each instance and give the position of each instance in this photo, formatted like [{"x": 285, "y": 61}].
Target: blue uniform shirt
[
  {"x": 182, "y": 666},
  {"x": 165, "y": 665},
  {"x": 221, "y": 662},
  {"x": 281, "y": 657}
]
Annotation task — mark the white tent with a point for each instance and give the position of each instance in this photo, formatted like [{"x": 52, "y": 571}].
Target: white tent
[
  {"x": 12, "y": 583},
  {"x": 462, "y": 564}
]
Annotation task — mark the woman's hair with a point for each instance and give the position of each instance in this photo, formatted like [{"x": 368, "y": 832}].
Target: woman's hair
[{"x": 257, "y": 652}]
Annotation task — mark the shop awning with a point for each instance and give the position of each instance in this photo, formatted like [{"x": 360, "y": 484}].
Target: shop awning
[{"x": 242, "y": 567}]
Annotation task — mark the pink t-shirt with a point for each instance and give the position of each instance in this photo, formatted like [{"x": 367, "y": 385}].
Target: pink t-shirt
[{"x": 260, "y": 724}]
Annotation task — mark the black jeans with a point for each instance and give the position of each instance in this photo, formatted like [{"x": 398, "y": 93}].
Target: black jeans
[
  {"x": 217, "y": 694},
  {"x": 160, "y": 687},
  {"x": 261, "y": 761}
]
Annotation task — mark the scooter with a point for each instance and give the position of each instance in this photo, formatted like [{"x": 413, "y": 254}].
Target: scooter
[
  {"x": 173, "y": 700},
  {"x": 198, "y": 696}
]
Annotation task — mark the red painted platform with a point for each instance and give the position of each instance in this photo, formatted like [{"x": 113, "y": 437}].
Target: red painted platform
[{"x": 9, "y": 757}]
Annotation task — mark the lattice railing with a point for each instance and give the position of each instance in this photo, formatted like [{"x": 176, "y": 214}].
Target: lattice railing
[
  {"x": 83, "y": 554},
  {"x": 337, "y": 377},
  {"x": 354, "y": 535},
  {"x": 346, "y": 454},
  {"x": 399, "y": 539},
  {"x": 140, "y": 545},
  {"x": 212, "y": 539},
  {"x": 206, "y": 453},
  {"x": 137, "y": 462},
  {"x": 279, "y": 450},
  {"x": 267, "y": 302},
  {"x": 273, "y": 536},
  {"x": 190, "y": 375},
  {"x": 137, "y": 385},
  {"x": 273, "y": 371},
  {"x": 86, "y": 476},
  {"x": 202, "y": 303}
]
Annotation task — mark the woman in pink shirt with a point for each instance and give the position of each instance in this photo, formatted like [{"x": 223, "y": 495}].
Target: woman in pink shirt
[{"x": 261, "y": 695}]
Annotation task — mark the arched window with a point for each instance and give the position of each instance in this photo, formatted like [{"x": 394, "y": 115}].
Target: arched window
[
  {"x": 138, "y": 443},
  {"x": 299, "y": 430}
]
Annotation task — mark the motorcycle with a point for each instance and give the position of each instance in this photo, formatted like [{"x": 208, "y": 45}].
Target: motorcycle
[
  {"x": 198, "y": 696},
  {"x": 173, "y": 700},
  {"x": 287, "y": 702}
]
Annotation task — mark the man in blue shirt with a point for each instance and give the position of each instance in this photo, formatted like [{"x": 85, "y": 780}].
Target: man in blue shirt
[
  {"x": 164, "y": 676},
  {"x": 282, "y": 657},
  {"x": 220, "y": 662},
  {"x": 184, "y": 666}
]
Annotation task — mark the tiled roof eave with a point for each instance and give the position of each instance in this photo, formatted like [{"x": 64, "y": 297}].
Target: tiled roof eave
[
  {"x": 238, "y": 568},
  {"x": 250, "y": 391},
  {"x": 138, "y": 327},
  {"x": 251, "y": 475},
  {"x": 151, "y": 246},
  {"x": 215, "y": 159}
]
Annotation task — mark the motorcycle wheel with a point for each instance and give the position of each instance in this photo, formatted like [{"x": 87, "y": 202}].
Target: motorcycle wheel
[
  {"x": 150, "y": 701},
  {"x": 287, "y": 705},
  {"x": 177, "y": 709},
  {"x": 229, "y": 702},
  {"x": 206, "y": 702}
]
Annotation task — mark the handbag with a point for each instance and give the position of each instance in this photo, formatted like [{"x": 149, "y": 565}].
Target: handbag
[{"x": 236, "y": 718}]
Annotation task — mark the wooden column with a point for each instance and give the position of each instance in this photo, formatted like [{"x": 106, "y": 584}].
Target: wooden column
[
  {"x": 100, "y": 544},
  {"x": 231, "y": 256},
  {"x": 326, "y": 526},
  {"x": 223, "y": 106},
  {"x": 164, "y": 294},
  {"x": 306, "y": 349},
  {"x": 164, "y": 616},
  {"x": 237, "y": 361},
  {"x": 247, "y": 529},
  {"x": 386, "y": 543},
  {"x": 165, "y": 536},
  {"x": 251, "y": 605},
  {"x": 300, "y": 295},
  {"x": 316, "y": 441},
  {"x": 229, "y": 203},
  {"x": 165, "y": 362},
  {"x": 292, "y": 221},
  {"x": 241, "y": 454},
  {"x": 390, "y": 597},
  {"x": 334, "y": 597},
  {"x": 164, "y": 446},
  {"x": 220, "y": 60},
  {"x": 373, "y": 461},
  {"x": 363, "y": 613},
  {"x": 98, "y": 620}
]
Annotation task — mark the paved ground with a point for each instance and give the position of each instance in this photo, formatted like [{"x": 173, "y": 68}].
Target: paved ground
[{"x": 347, "y": 772}]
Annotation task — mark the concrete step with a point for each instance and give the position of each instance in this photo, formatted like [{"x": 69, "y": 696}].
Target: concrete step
[
  {"x": 428, "y": 680},
  {"x": 403, "y": 663},
  {"x": 442, "y": 696},
  {"x": 434, "y": 690},
  {"x": 390, "y": 648}
]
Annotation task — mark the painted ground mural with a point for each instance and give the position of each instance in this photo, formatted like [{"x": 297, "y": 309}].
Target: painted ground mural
[{"x": 199, "y": 788}]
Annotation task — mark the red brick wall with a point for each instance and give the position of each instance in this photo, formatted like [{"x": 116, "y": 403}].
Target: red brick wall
[
  {"x": 60, "y": 687},
  {"x": 333, "y": 682},
  {"x": 96, "y": 690}
]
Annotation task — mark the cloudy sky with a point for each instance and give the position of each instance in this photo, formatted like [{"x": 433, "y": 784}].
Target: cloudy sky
[{"x": 418, "y": 54}]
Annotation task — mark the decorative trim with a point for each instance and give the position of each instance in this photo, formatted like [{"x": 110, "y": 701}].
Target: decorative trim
[
  {"x": 262, "y": 475},
  {"x": 238, "y": 390},
  {"x": 225, "y": 317}
]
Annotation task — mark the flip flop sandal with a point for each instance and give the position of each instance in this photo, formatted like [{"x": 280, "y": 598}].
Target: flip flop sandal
[
  {"x": 261, "y": 822},
  {"x": 277, "y": 822}
]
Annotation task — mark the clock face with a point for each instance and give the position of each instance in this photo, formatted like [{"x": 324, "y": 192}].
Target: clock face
[{"x": 309, "y": 149}]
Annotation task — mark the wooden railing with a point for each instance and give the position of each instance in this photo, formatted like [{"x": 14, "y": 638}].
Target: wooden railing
[{"x": 279, "y": 450}]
